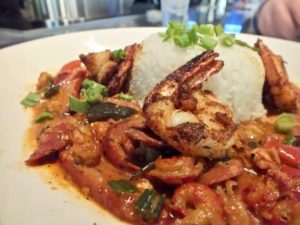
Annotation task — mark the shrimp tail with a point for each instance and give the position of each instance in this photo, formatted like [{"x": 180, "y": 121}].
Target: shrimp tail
[
  {"x": 279, "y": 93},
  {"x": 186, "y": 78}
]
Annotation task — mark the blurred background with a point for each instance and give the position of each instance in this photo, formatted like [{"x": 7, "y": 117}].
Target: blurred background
[{"x": 23, "y": 20}]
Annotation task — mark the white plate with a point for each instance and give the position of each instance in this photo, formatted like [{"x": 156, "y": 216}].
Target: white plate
[{"x": 25, "y": 196}]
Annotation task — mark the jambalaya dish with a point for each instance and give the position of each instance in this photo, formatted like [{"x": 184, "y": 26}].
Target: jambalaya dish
[{"x": 181, "y": 156}]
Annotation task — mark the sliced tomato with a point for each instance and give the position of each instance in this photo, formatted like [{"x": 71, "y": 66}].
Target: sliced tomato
[
  {"x": 70, "y": 66},
  {"x": 290, "y": 155},
  {"x": 291, "y": 171},
  {"x": 70, "y": 71},
  {"x": 68, "y": 76}
]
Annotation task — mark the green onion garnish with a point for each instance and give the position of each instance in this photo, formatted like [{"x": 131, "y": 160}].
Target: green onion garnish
[
  {"x": 184, "y": 37},
  {"x": 43, "y": 116},
  {"x": 176, "y": 28},
  {"x": 182, "y": 41},
  {"x": 206, "y": 29},
  {"x": 149, "y": 205},
  {"x": 290, "y": 140},
  {"x": 219, "y": 29},
  {"x": 77, "y": 105},
  {"x": 227, "y": 40},
  {"x": 126, "y": 97},
  {"x": 209, "y": 43},
  {"x": 93, "y": 91},
  {"x": 204, "y": 35},
  {"x": 285, "y": 123},
  {"x": 31, "y": 99},
  {"x": 192, "y": 33},
  {"x": 122, "y": 186},
  {"x": 118, "y": 54}
]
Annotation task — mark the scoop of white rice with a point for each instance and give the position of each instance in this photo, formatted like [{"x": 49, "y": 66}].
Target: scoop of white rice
[{"x": 239, "y": 84}]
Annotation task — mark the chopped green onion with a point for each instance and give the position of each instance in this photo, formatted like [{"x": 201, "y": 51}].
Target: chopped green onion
[
  {"x": 244, "y": 44},
  {"x": 176, "y": 24},
  {"x": 91, "y": 95},
  {"x": 219, "y": 29},
  {"x": 122, "y": 186},
  {"x": 182, "y": 41},
  {"x": 43, "y": 116},
  {"x": 149, "y": 205},
  {"x": 126, "y": 97},
  {"x": 77, "y": 105},
  {"x": 206, "y": 29},
  {"x": 51, "y": 91},
  {"x": 176, "y": 28},
  {"x": 95, "y": 85},
  {"x": 118, "y": 54},
  {"x": 192, "y": 33},
  {"x": 285, "y": 123},
  {"x": 227, "y": 40},
  {"x": 202, "y": 35},
  {"x": 208, "y": 43},
  {"x": 290, "y": 140},
  {"x": 31, "y": 99},
  {"x": 93, "y": 91}
]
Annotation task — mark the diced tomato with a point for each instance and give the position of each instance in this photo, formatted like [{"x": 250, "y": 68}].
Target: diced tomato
[
  {"x": 290, "y": 155},
  {"x": 70, "y": 66}
]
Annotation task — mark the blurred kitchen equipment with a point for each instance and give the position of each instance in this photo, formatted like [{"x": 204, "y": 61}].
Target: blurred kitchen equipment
[{"x": 63, "y": 12}]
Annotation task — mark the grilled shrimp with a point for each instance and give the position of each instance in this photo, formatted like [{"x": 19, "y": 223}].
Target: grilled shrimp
[
  {"x": 100, "y": 65},
  {"x": 109, "y": 71},
  {"x": 187, "y": 118},
  {"x": 198, "y": 204},
  {"x": 279, "y": 92}
]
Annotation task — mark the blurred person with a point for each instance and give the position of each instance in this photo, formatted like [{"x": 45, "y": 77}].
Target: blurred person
[{"x": 279, "y": 18}]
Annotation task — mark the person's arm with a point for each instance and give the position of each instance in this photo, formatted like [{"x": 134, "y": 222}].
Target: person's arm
[{"x": 280, "y": 18}]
